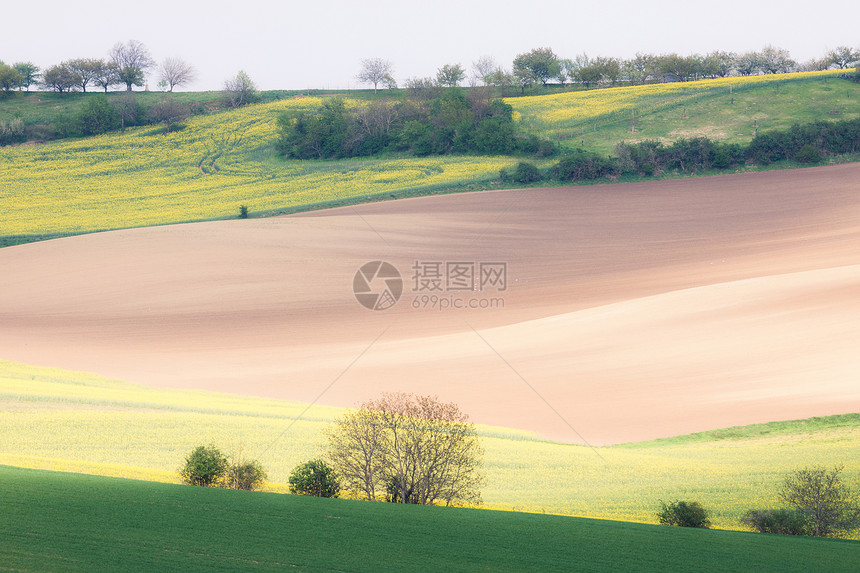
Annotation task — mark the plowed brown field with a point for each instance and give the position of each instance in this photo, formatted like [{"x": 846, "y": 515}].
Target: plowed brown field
[{"x": 630, "y": 311}]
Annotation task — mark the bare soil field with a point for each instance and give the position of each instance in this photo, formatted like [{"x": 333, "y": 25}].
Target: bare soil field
[{"x": 627, "y": 312}]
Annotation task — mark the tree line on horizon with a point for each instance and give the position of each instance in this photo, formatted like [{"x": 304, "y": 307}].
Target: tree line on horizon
[
  {"x": 541, "y": 66},
  {"x": 128, "y": 64}
]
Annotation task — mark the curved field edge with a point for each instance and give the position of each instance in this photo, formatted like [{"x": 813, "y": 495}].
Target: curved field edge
[
  {"x": 69, "y": 421},
  {"x": 65, "y": 522},
  {"x": 220, "y": 162}
]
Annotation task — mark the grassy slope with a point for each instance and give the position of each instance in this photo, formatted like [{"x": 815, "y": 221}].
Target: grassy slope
[
  {"x": 68, "y": 421},
  {"x": 221, "y": 161},
  {"x": 728, "y": 109},
  {"x": 65, "y": 522}
]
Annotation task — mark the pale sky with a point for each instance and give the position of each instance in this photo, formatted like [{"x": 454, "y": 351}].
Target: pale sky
[{"x": 320, "y": 44}]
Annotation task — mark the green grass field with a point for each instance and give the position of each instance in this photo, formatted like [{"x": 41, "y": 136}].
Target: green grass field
[
  {"x": 67, "y": 522},
  {"x": 223, "y": 160},
  {"x": 58, "y": 420},
  {"x": 726, "y": 109}
]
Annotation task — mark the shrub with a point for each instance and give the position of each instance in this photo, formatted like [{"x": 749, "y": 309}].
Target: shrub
[
  {"x": 808, "y": 154},
  {"x": 12, "y": 132},
  {"x": 315, "y": 478},
  {"x": 205, "y": 466},
  {"x": 248, "y": 475},
  {"x": 97, "y": 116},
  {"x": 526, "y": 173},
  {"x": 583, "y": 166},
  {"x": 684, "y": 514},
  {"x": 690, "y": 155},
  {"x": 243, "y": 211},
  {"x": 783, "y": 521},
  {"x": 727, "y": 154},
  {"x": 765, "y": 148}
]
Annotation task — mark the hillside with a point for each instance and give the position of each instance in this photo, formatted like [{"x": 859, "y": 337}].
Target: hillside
[
  {"x": 729, "y": 109},
  {"x": 67, "y": 522},
  {"x": 69, "y": 421},
  {"x": 221, "y": 161}
]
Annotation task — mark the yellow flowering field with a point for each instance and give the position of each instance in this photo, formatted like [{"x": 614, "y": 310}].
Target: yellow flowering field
[
  {"x": 216, "y": 163},
  {"x": 205, "y": 170},
  {"x": 70, "y": 421}
]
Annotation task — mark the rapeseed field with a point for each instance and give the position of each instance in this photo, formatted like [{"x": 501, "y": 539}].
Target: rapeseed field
[{"x": 216, "y": 163}]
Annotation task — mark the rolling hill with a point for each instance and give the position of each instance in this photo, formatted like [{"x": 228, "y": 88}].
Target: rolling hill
[
  {"x": 66, "y": 522},
  {"x": 221, "y": 161}
]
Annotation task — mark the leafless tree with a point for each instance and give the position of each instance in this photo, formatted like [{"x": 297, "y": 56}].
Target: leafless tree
[
  {"x": 127, "y": 108},
  {"x": 376, "y": 71},
  {"x": 169, "y": 111},
  {"x": 176, "y": 71},
  {"x": 411, "y": 449},
  {"x": 483, "y": 67}
]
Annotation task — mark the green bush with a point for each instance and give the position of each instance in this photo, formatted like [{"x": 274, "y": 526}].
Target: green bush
[
  {"x": 315, "y": 478},
  {"x": 583, "y": 166},
  {"x": 526, "y": 173},
  {"x": 808, "y": 154},
  {"x": 205, "y": 466},
  {"x": 684, "y": 514},
  {"x": 12, "y": 132},
  {"x": 783, "y": 521},
  {"x": 97, "y": 116}
]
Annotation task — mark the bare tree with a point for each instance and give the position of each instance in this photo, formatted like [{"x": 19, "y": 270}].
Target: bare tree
[
  {"x": 376, "y": 71},
  {"x": 483, "y": 67},
  {"x": 832, "y": 508},
  {"x": 169, "y": 111},
  {"x": 127, "y": 108},
  {"x": 357, "y": 441},
  {"x": 175, "y": 72},
  {"x": 415, "y": 449},
  {"x": 132, "y": 60}
]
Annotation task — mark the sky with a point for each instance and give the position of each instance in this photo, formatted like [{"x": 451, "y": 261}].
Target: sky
[{"x": 320, "y": 44}]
